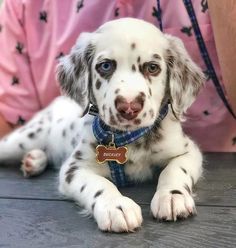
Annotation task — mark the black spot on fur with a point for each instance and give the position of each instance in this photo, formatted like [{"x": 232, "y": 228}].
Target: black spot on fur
[
  {"x": 98, "y": 84},
  {"x": 176, "y": 192},
  {"x": 187, "y": 188},
  {"x": 186, "y": 145},
  {"x": 72, "y": 163},
  {"x": 98, "y": 193},
  {"x": 192, "y": 180},
  {"x": 138, "y": 145},
  {"x": 22, "y": 147},
  {"x": 73, "y": 142},
  {"x": 63, "y": 133},
  {"x": 156, "y": 56},
  {"x": 78, "y": 155},
  {"x": 133, "y": 46},
  {"x": 87, "y": 123},
  {"x": 112, "y": 118},
  {"x": 150, "y": 91},
  {"x": 119, "y": 117},
  {"x": 131, "y": 161},
  {"x": 133, "y": 68},
  {"x": 151, "y": 112},
  {"x": 144, "y": 114},
  {"x": 120, "y": 208},
  {"x": 82, "y": 188},
  {"x": 72, "y": 126},
  {"x": 70, "y": 173},
  {"x": 184, "y": 170},
  {"x": 93, "y": 145},
  {"x": 93, "y": 206},
  {"x": 31, "y": 135},
  {"x": 39, "y": 130},
  {"x": 117, "y": 91},
  {"x": 103, "y": 107},
  {"x": 138, "y": 59},
  {"x": 137, "y": 121}
]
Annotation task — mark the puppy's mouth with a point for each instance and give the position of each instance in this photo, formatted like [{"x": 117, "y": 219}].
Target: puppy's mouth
[{"x": 127, "y": 121}]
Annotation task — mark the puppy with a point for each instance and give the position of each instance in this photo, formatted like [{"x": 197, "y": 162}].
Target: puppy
[{"x": 139, "y": 83}]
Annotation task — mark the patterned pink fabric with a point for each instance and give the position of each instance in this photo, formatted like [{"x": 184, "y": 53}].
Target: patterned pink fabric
[{"x": 34, "y": 34}]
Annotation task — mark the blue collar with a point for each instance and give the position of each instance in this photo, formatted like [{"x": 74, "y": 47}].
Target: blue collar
[{"x": 103, "y": 133}]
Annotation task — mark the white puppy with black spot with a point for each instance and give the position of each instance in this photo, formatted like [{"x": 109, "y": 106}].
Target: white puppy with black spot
[{"x": 138, "y": 79}]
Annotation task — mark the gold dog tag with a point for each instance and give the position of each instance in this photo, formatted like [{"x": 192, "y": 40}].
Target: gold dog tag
[{"x": 111, "y": 153}]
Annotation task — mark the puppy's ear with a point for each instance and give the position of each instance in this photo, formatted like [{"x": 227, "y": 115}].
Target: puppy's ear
[
  {"x": 74, "y": 71},
  {"x": 184, "y": 77}
]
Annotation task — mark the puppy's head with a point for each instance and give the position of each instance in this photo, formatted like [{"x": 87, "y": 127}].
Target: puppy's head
[{"x": 129, "y": 69}]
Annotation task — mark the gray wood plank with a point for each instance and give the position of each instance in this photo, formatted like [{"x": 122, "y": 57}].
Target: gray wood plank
[
  {"x": 218, "y": 187},
  {"x": 34, "y": 223}
]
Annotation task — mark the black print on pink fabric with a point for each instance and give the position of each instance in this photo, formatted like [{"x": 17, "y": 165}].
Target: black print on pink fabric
[
  {"x": 20, "y": 121},
  {"x": 80, "y": 5},
  {"x": 61, "y": 54},
  {"x": 156, "y": 13},
  {"x": 15, "y": 80},
  {"x": 117, "y": 12},
  {"x": 187, "y": 30},
  {"x": 43, "y": 16},
  {"x": 19, "y": 47},
  {"x": 204, "y": 6}
]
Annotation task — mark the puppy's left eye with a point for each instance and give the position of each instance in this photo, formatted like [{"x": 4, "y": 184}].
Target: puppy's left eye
[{"x": 152, "y": 68}]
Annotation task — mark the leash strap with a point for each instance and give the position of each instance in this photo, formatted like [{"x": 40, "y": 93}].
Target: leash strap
[
  {"x": 205, "y": 55},
  {"x": 203, "y": 50}
]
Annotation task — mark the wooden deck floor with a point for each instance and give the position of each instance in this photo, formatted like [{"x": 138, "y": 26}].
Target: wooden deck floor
[{"x": 33, "y": 214}]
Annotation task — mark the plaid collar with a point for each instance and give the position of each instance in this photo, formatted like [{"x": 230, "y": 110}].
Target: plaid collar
[{"x": 103, "y": 133}]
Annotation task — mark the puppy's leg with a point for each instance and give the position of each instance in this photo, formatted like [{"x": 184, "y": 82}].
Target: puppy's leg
[
  {"x": 173, "y": 198},
  {"x": 100, "y": 198},
  {"x": 22, "y": 143}
]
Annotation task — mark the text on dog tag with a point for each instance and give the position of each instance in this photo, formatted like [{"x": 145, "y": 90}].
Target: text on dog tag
[{"x": 111, "y": 153}]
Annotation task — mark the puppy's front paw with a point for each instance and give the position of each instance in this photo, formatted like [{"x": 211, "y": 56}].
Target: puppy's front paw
[
  {"x": 170, "y": 205},
  {"x": 33, "y": 163},
  {"x": 120, "y": 214}
]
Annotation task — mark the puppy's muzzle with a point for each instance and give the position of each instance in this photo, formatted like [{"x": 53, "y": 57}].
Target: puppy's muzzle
[{"x": 129, "y": 110}]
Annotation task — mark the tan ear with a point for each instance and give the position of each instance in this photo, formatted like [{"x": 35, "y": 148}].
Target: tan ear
[
  {"x": 185, "y": 78},
  {"x": 74, "y": 71}
]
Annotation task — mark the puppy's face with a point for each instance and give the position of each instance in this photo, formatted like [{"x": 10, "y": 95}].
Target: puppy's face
[
  {"x": 129, "y": 74},
  {"x": 129, "y": 69}
]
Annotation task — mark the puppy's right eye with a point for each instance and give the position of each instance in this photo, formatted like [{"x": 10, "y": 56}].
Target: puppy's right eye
[{"x": 106, "y": 66}]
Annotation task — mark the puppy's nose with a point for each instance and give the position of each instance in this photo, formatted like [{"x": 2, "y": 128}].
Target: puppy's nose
[{"x": 129, "y": 110}]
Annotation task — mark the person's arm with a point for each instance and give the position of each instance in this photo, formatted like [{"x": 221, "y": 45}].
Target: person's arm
[
  {"x": 18, "y": 95},
  {"x": 5, "y": 127},
  {"x": 223, "y": 18}
]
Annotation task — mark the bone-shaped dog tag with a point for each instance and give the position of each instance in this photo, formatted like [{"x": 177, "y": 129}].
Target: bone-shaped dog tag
[{"x": 111, "y": 153}]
